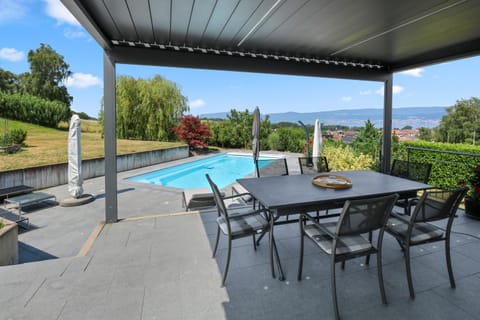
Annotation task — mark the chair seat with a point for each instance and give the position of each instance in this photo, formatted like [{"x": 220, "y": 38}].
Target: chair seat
[
  {"x": 421, "y": 231},
  {"x": 243, "y": 220},
  {"x": 345, "y": 244}
]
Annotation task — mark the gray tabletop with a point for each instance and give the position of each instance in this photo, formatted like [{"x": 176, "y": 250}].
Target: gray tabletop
[{"x": 297, "y": 193}]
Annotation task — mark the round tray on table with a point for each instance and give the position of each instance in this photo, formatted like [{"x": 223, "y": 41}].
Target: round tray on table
[{"x": 333, "y": 181}]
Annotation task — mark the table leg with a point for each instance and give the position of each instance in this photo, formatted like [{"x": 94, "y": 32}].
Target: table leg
[
  {"x": 274, "y": 253},
  {"x": 270, "y": 242}
]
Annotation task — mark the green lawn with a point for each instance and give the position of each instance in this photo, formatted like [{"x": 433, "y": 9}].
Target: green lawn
[{"x": 47, "y": 146}]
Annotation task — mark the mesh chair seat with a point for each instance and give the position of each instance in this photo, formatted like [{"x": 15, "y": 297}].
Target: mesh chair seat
[
  {"x": 243, "y": 223},
  {"x": 345, "y": 244},
  {"x": 421, "y": 232}
]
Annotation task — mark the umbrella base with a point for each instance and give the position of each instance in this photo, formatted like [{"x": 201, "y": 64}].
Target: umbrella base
[{"x": 73, "y": 202}]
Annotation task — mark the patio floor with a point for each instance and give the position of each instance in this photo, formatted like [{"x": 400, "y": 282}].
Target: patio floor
[{"x": 157, "y": 265}]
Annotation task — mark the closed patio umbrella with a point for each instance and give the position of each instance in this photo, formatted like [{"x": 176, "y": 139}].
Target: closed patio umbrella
[
  {"x": 256, "y": 137},
  {"x": 317, "y": 139},
  {"x": 75, "y": 179}
]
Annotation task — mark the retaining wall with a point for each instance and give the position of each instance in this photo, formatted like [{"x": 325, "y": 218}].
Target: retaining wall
[{"x": 56, "y": 174}]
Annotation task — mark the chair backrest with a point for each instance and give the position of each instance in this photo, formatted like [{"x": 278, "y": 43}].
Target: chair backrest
[
  {"x": 277, "y": 167},
  {"x": 217, "y": 196},
  {"x": 411, "y": 170},
  {"x": 365, "y": 215},
  {"x": 438, "y": 205},
  {"x": 313, "y": 164}
]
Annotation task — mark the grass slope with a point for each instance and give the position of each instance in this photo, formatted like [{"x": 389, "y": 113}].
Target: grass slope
[{"x": 48, "y": 146}]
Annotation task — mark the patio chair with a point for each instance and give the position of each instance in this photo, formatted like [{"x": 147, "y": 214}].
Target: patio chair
[
  {"x": 417, "y": 229},
  {"x": 236, "y": 221},
  {"x": 277, "y": 167},
  {"x": 345, "y": 239},
  {"x": 413, "y": 171},
  {"x": 313, "y": 164}
]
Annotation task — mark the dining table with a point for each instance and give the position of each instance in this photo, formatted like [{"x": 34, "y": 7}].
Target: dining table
[{"x": 290, "y": 194}]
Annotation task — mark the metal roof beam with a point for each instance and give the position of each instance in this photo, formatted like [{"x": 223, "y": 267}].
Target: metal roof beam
[{"x": 187, "y": 59}]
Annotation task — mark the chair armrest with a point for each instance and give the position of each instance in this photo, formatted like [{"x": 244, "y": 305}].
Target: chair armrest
[
  {"x": 325, "y": 230},
  {"x": 400, "y": 217},
  {"x": 237, "y": 196}
]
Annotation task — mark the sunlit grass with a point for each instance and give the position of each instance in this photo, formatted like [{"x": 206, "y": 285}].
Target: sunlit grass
[{"x": 48, "y": 146}]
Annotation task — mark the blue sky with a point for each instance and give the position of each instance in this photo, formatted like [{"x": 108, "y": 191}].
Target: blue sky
[{"x": 24, "y": 24}]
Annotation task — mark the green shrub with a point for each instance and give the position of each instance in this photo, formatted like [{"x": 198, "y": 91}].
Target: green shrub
[
  {"x": 342, "y": 157},
  {"x": 448, "y": 168},
  {"x": 27, "y": 108},
  {"x": 18, "y": 136},
  {"x": 5, "y": 139},
  {"x": 287, "y": 139}
]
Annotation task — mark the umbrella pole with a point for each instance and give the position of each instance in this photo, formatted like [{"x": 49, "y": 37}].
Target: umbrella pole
[{"x": 306, "y": 137}]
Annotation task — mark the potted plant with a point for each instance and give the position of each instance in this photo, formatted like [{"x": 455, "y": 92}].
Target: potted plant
[{"x": 472, "y": 199}]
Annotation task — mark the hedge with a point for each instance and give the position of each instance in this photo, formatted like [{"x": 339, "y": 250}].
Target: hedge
[
  {"x": 451, "y": 163},
  {"x": 27, "y": 108}
]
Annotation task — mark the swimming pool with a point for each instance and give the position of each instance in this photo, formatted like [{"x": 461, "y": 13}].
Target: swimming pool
[{"x": 224, "y": 169}]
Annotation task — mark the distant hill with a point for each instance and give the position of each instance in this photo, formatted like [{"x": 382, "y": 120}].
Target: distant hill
[{"x": 414, "y": 116}]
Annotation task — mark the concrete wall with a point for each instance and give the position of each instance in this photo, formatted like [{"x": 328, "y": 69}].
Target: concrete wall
[{"x": 56, "y": 174}]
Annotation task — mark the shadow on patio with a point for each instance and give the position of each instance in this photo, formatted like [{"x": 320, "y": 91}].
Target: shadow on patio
[{"x": 161, "y": 268}]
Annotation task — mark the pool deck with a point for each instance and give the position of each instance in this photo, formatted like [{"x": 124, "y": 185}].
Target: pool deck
[
  {"x": 156, "y": 264},
  {"x": 57, "y": 231}
]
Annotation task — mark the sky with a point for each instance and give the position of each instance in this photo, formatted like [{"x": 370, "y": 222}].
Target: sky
[{"x": 25, "y": 24}]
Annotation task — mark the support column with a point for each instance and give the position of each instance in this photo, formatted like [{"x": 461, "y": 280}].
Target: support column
[
  {"x": 387, "y": 124},
  {"x": 110, "y": 139}
]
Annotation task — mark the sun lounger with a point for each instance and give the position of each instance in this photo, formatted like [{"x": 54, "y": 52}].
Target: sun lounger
[
  {"x": 24, "y": 200},
  {"x": 196, "y": 199},
  {"x": 14, "y": 191}
]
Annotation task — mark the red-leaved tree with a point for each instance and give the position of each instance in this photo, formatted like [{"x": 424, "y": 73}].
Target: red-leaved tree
[{"x": 192, "y": 132}]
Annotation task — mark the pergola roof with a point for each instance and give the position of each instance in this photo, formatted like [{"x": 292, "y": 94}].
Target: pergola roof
[
  {"x": 351, "y": 39},
  {"x": 332, "y": 38}
]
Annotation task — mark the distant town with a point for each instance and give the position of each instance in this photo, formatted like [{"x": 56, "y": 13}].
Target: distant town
[{"x": 350, "y": 135}]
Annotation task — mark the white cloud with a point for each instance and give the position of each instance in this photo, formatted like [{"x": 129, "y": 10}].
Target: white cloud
[
  {"x": 366, "y": 93},
  {"x": 417, "y": 72},
  {"x": 69, "y": 33},
  {"x": 83, "y": 80},
  {"x": 197, "y": 103},
  {"x": 346, "y": 99},
  {"x": 57, "y": 10},
  {"x": 12, "y": 10},
  {"x": 11, "y": 54},
  {"x": 395, "y": 90}
]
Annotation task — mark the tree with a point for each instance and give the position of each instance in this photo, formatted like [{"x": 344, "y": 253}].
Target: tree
[
  {"x": 368, "y": 140},
  {"x": 8, "y": 81},
  {"x": 408, "y": 127},
  {"x": 148, "y": 109},
  {"x": 425, "y": 134},
  {"x": 236, "y": 130},
  {"x": 48, "y": 71},
  {"x": 192, "y": 132},
  {"x": 461, "y": 124}
]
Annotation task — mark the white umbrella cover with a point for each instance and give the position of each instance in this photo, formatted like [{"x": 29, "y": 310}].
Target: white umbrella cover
[
  {"x": 75, "y": 179},
  {"x": 317, "y": 140}
]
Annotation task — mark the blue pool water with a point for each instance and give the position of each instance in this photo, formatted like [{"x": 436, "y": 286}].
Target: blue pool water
[{"x": 224, "y": 169}]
